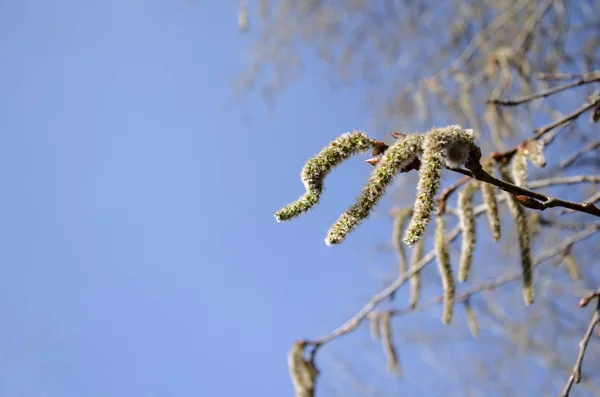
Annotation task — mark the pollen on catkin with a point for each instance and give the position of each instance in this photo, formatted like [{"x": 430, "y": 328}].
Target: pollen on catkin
[
  {"x": 400, "y": 218},
  {"x": 466, "y": 215},
  {"x": 519, "y": 169},
  {"x": 415, "y": 281},
  {"x": 491, "y": 204},
  {"x": 518, "y": 212},
  {"x": 317, "y": 168},
  {"x": 449, "y": 146},
  {"x": 445, "y": 269},
  {"x": 388, "y": 344},
  {"x": 395, "y": 158}
]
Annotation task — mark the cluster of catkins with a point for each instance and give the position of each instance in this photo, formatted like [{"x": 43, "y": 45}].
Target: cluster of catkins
[{"x": 449, "y": 147}]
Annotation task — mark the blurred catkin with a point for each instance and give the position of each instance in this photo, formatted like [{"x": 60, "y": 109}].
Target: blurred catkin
[
  {"x": 468, "y": 224},
  {"x": 445, "y": 269}
]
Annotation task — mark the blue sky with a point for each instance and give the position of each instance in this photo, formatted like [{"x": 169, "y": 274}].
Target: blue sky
[{"x": 139, "y": 251}]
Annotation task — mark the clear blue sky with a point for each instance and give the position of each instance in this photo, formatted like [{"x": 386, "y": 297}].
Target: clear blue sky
[{"x": 139, "y": 253}]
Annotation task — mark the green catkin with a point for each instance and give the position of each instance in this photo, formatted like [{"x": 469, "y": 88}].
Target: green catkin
[
  {"x": 518, "y": 212},
  {"x": 388, "y": 344},
  {"x": 445, "y": 269},
  {"x": 400, "y": 218},
  {"x": 317, "y": 168},
  {"x": 448, "y": 146},
  {"x": 472, "y": 320},
  {"x": 467, "y": 221},
  {"x": 395, "y": 158},
  {"x": 415, "y": 280},
  {"x": 491, "y": 204}
]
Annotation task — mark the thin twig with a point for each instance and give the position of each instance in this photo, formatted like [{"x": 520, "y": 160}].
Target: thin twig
[
  {"x": 583, "y": 344},
  {"x": 587, "y": 148},
  {"x": 565, "y": 76},
  {"x": 569, "y": 117},
  {"x": 544, "y": 93}
]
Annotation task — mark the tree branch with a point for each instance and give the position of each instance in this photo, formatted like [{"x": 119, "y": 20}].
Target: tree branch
[
  {"x": 576, "y": 374},
  {"x": 545, "y": 93}
]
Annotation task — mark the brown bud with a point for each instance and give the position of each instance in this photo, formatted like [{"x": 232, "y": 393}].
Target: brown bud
[
  {"x": 398, "y": 135},
  {"x": 379, "y": 148},
  {"x": 529, "y": 202}
]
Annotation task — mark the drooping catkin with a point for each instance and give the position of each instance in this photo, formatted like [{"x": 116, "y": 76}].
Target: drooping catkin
[
  {"x": 400, "y": 218},
  {"x": 534, "y": 150},
  {"x": 388, "y": 344},
  {"x": 317, "y": 168},
  {"x": 302, "y": 371},
  {"x": 572, "y": 266},
  {"x": 394, "y": 159},
  {"x": 519, "y": 169},
  {"x": 472, "y": 319},
  {"x": 491, "y": 203},
  {"x": 518, "y": 212},
  {"x": 415, "y": 281},
  {"x": 374, "y": 325},
  {"x": 448, "y": 146},
  {"x": 445, "y": 269},
  {"x": 468, "y": 224}
]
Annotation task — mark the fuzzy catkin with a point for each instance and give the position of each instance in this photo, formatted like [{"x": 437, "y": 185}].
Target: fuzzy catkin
[
  {"x": 518, "y": 212},
  {"x": 303, "y": 372},
  {"x": 491, "y": 203},
  {"x": 400, "y": 218},
  {"x": 445, "y": 269},
  {"x": 388, "y": 344},
  {"x": 317, "y": 168},
  {"x": 534, "y": 150},
  {"x": 395, "y": 158},
  {"x": 415, "y": 280},
  {"x": 447, "y": 146},
  {"x": 472, "y": 320},
  {"x": 466, "y": 215},
  {"x": 519, "y": 169}
]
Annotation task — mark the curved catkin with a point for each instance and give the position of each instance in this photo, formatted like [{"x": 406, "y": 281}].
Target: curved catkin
[
  {"x": 466, "y": 215},
  {"x": 472, "y": 320},
  {"x": 518, "y": 212},
  {"x": 317, "y": 168},
  {"x": 519, "y": 169},
  {"x": 415, "y": 280},
  {"x": 400, "y": 218},
  {"x": 491, "y": 204},
  {"x": 303, "y": 372},
  {"x": 395, "y": 158},
  {"x": 572, "y": 267},
  {"x": 447, "y": 146},
  {"x": 443, "y": 259},
  {"x": 375, "y": 320},
  {"x": 388, "y": 344}
]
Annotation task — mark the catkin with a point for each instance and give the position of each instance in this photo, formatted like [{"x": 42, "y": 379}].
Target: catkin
[
  {"x": 317, "y": 168},
  {"x": 303, "y": 372},
  {"x": 572, "y": 267},
  {"x": 388, "y": 344},
  {"x": 401, "y": 216},
  {"x": 491, "y": 204},
  {"x": 520, "y": 216},
  {"x": 472, "y": 320},
  {"x": 447, "y": 146},
  {"x": 519, "y": 168},
  {"x": 468, "y": 224},
  {"x": 375, "y": 323},
  {"x": 394, "y": 159},
  {"x": 445, "y": 269},
  {"x": 415, "y": 280}
]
